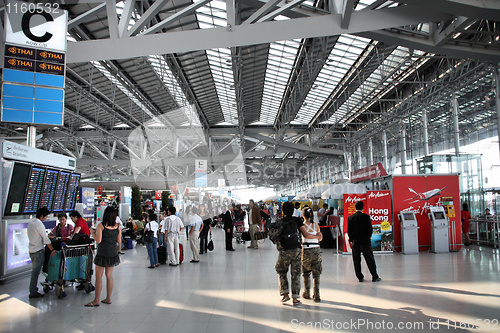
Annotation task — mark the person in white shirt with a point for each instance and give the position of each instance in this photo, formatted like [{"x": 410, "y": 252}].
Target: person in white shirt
[
  {"x": 196, "y": 224},
  {"x": 311, "y": 256},
  {"x": 152, "y": 251},
  {"x": 173, "y": 226},
  {"x": 37, "y": 238},
  {"x": 296, "y": 210},
  {"x": 162, "y": 237}
]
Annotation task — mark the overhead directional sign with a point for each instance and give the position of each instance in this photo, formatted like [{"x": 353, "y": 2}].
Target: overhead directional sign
[
  {"x": 34, "y": 63},
  {"x": 36, "y": 25}
]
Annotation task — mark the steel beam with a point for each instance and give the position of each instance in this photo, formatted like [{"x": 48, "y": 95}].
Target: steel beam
[
  {"x": 480, "y": 9},
  {"x": 257, "y": 33},
  {"x": 146, "y": 17},
  {"x": 497, "y": 99},
  {"x": 443, "y": 34},
  {"x": 419, "y": 43},
  {"x": 297, "y": 146},
  {"x": 86, "y": 16},
  {"x": 174, "y": 18}
]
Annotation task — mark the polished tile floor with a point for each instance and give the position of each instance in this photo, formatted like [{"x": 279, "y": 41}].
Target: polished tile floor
[{"x": 238, "y": 292}]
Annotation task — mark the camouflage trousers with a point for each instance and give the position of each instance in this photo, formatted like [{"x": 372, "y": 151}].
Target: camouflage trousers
[
  {"x": 311, "y": 263},
  {"x": 288, "y": 258}
]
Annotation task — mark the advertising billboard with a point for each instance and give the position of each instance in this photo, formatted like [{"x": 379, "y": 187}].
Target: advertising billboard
[{"x": 417, "y": 193}]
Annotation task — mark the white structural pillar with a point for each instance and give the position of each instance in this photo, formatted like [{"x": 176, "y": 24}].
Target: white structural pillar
[
  {"x": 370, "y": 148},
  {"x": 359, "y": 156},
  {"x": 425, "y": 132},
  {"x": 497, "y": 99},
  {"x": 31, "y": 138},
  {"x": 456, "y": 133},
  {"x": 403, "y": 150},
  {"x": 386, "y": 158}
]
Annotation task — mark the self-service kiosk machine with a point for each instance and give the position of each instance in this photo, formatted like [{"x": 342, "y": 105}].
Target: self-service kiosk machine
[
  {"x": 409, "y": 232},
  {"x": 440, "y": 238}
]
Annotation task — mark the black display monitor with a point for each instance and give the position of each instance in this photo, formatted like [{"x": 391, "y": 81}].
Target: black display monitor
[
  {"x": 18, "y": 182},
  {"x": 72, "y": 192},
  {"x": 49, "y": 188},
  {"x": 60, "y": 192},
  {"x": 439, "y": 216},
  {"x": 34, "y": 190}
]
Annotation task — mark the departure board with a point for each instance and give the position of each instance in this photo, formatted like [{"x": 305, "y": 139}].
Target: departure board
[
  {"x": 61, "y": 190},
  {"x": 48, "y": 189},
  {"x": 34, "y": 190},
  {"x": 72, "y": 191}
]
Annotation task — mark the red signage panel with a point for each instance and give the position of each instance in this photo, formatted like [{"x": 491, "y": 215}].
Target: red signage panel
[
  {"x": 372, "y": 171},
  {"x": 417, "y": 193},
  {"x": 378, "y": 205}
]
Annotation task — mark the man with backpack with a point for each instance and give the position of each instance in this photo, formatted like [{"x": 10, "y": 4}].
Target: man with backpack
[{"x": 286, "y": 235}]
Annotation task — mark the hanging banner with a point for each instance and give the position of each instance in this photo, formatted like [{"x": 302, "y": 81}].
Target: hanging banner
[
  {"x": 201, "y": 167},
  {"x": 349, "y": 209},
  {"x": 372, "y": 171},
  {"x": 378, "y": 206},
  {"x": 87, "y": 196}
]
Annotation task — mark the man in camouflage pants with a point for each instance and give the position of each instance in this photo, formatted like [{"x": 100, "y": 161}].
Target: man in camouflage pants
[
  {"x": 290, "y": 254},
  {"x": 286, "y": 259}
]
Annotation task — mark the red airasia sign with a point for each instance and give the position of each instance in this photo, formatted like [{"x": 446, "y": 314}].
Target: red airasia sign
[
  {"x": 372, "y": 171},
  {"x": 378, "y": 206},
  {"x": 416, "y": 193}
]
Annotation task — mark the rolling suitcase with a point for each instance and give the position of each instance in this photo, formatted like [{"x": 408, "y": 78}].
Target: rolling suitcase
[
  {"x": 162, "y": 255},
  {"x": 181, "y": 253}
]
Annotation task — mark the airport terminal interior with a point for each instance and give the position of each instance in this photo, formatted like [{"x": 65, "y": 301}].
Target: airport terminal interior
[{"x": 146, "y": 104}]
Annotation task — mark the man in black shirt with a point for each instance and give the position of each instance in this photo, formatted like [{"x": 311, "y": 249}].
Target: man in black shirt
[
  {"x": 359, "y": 229},
  {"x": 228, "y": 227}
]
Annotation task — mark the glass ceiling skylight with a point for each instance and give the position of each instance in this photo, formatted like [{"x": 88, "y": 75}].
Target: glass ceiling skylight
[
  {"x": 120, "y": 86},
  {"x": 214, "y": 15},
  {"x": 279, "y": 66},
  {"x": 162, "y": 70},
  {"x": 366, "y": 95},
  {"x": 346, "y": 51}
]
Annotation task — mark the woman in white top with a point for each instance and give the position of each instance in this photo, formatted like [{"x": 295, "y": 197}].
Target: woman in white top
[
  {"x": 152, "y": 252},
  {"x": 311, "y": 256},
  {"x": 315, "y": 213}
]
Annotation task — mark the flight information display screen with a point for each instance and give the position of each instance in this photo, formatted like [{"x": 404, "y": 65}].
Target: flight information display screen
[
  {"x": 17, "y": 189},
  {"x": 49, "y": 188},
  {"x": 34, "y": 190},
  {"x": 72, "y": 191},
  {"x": 61, "y": 190}
]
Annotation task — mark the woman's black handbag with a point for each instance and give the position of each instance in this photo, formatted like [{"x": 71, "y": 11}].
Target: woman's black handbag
[
  {"x": 210, "y": 245},
  {"x": 149, "y": 235}
]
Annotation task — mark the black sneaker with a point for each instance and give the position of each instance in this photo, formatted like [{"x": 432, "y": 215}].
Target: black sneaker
[
  {"x": 37, "y": 295},
  {"x": 377, "y": 280}
]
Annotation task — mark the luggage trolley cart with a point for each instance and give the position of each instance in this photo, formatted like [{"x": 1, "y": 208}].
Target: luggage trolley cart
[
  {"x": 74, "y": 264},
  {"x": 239, "y": 228}
]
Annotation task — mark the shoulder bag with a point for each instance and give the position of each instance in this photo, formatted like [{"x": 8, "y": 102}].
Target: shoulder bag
[
  {"x": 149, "y": 235},
  {"x": 210, "y": 245}
]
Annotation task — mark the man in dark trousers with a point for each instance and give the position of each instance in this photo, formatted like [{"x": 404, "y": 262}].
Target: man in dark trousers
[
  {"x": 359, "y": 229},
  {"x": 228, "y": 227}
]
